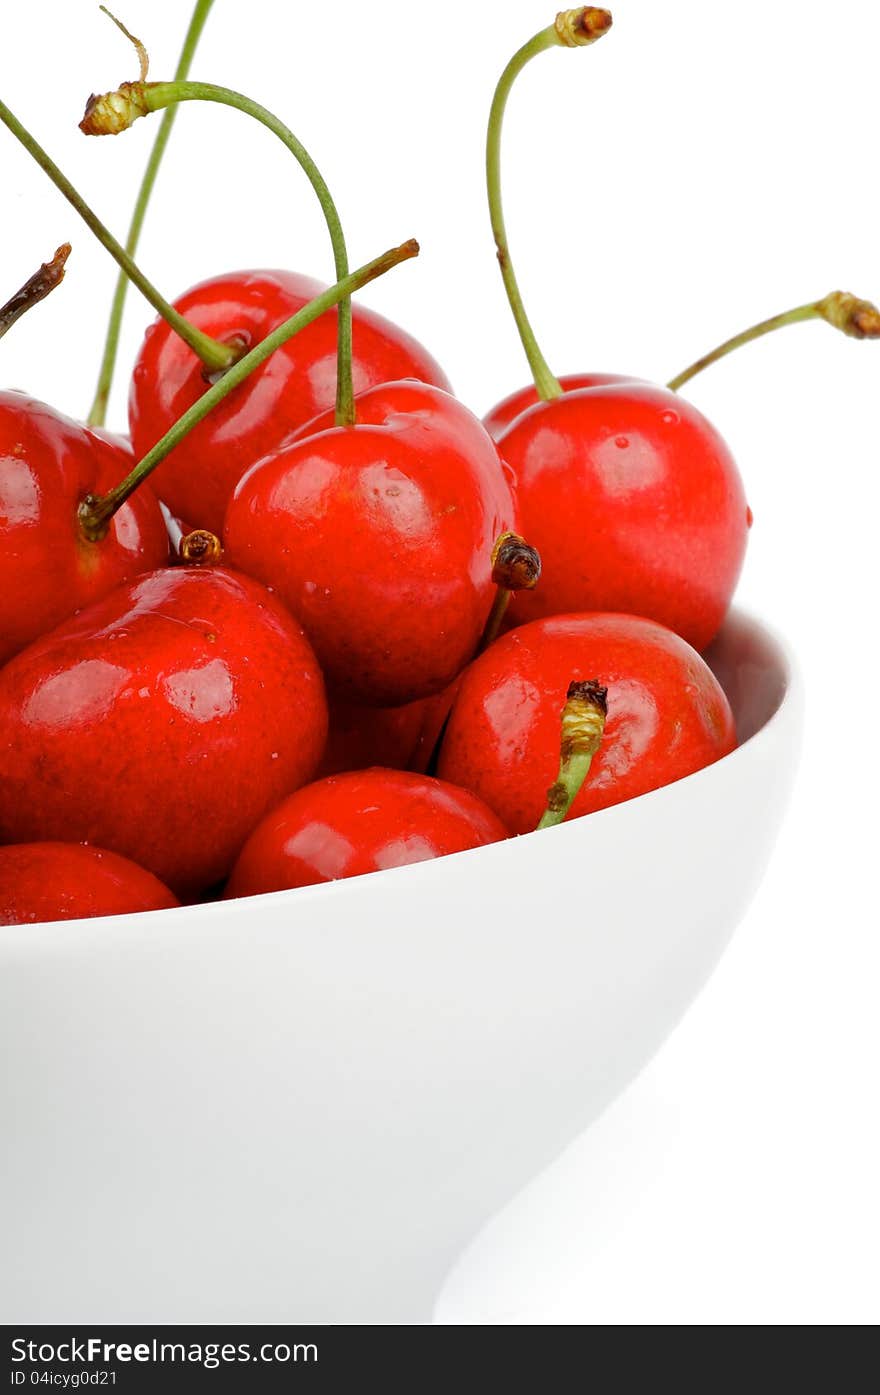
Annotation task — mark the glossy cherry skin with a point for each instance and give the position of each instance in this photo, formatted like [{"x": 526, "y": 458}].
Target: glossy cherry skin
[
  {"x": 365, "y": 821},
  {"x": 69, "y": 881},
  {"x": 48, "y": 463},
  {"x": 379, "y": 538},
  {"x": 667, "y": 714},
  {"x": 634, "y": 503},
  {"x": 505, "y": 412},
  {"x": 434, "y": 713},
  {"x": 162, "y": 722},
  {"x": 363, "y": 736},
  {"x": 294, "y": 385}
]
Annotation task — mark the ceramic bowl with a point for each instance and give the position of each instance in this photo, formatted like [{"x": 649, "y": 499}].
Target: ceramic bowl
[{"x": 301, "y": 1107}]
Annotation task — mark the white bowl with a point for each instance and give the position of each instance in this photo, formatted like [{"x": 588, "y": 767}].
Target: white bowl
[{"x": 301, "y": 1107}]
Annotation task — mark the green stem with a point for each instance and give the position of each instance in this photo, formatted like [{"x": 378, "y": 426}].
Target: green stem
[
  {"x": 583, "y": 726},
  {"x": 35, "y": 289},
  {"x": 496, "y": 616},
  {"x": 116, "y": 110},
  {"x": 95, "y": 512},
  {"x": 857, "y": 318},
  {"x": 573, "y": 28},
  {"x": 98, "y": 413},
  {"x": 214, "y": 356},
  {"x": 563, "y": 794},
  {"x": 801, "y": 312}
]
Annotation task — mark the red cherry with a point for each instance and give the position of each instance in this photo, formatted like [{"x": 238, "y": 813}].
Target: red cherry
[
  {"x": 294, "y": 385},
  {"x": 634, "y": 503},
  {"x": 505, "y": 412},
  {"x": 516, "y": 567},
  {"x": 434, "y": 712},
  {"x": 162, "y": 722},
  {"x": 629, "y": 495},
  {"x": 365, "y": 821},
  {"x": 379, "y": 538},
  {"x": 67, "y": 881},
  {"x": 667, "y": 714},
  {"x": 363, "y": 736},
  {"x": 48, "y": 463}
]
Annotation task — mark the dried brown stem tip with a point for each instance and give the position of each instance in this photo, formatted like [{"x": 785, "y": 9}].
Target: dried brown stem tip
[
  {"x": 516, "y": 566},
  {"x": 584, "y": 26},
  {"x": 857, "y": 318},
  {"x": 583, "y": 718},
  {"x": 200, "y": 549},
  {"x": 140, "y": 49},
  {"x": 51, "y": 273},
  {"x": 112, "y": 112},
  {"x": 35, "y": 289}
]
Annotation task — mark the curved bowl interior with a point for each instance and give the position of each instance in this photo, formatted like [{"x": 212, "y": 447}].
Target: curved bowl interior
[{"x": 301, "y": 1107}]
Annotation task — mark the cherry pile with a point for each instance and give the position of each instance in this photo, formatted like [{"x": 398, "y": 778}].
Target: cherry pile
[{"x": 314, "y": 618}]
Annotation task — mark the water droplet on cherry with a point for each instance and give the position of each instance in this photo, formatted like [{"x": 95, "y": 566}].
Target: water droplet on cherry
[
  {"x": 670, "y": 418},
  {"x": 621, "y": 442}
]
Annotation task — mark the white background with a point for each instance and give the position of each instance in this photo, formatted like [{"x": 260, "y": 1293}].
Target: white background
[{"x": 664, "y": 189}]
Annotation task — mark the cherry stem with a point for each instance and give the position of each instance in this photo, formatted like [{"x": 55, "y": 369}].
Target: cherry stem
[
  {"x": 200, "y": 548},
  {"x": 496, "y": 616},
  {"x": 95, "y": 512},
  {"x": 572, "y": 29},
  {"x": 214, "y": 355},
  {"x": 35, "y": 289},
  {"x": 859, "y": 319},
  {"x": 140, "y": 48},
  {"x": 98, "y": 413},
  {"x": 583, "y": 725},
  {"x": 115, "y": 111},
  {"x": 516, "y": 566}
]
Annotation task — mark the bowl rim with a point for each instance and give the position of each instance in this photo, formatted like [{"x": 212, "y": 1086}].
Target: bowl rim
[{"x": 198, "y": 913}]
